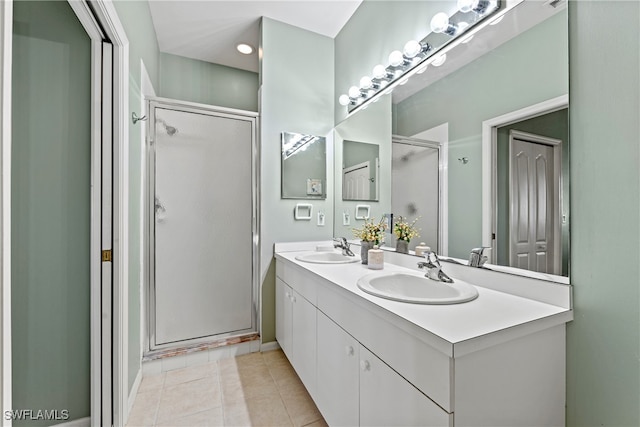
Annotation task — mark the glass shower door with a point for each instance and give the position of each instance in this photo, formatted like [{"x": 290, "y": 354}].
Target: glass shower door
[{"x": 203, "y": 219}]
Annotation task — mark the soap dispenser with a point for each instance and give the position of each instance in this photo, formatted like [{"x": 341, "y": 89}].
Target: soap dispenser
[
  {"x": 421, "y": 249},
  {"x": 376, "y": 258}
]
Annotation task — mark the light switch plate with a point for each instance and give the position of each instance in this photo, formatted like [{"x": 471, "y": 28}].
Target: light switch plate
[
  {"x": 346, "y": 218},
  {"x": 320, "y": 219}
]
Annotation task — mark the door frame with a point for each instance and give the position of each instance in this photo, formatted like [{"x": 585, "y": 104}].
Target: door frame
[
  {"x": 154, "y": 102},
  {"x": 489, "y": 159},
  {"x": 100, "y": 20},
  {"x": 556, "y": 145}
]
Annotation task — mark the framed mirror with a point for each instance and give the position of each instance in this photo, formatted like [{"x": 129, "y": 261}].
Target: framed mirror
[
  {"x": 304, "y": 166},
  {"x": 360, "y": 170}
]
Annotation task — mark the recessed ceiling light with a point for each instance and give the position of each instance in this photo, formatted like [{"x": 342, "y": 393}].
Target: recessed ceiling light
[{"x": 244, "y": 49}]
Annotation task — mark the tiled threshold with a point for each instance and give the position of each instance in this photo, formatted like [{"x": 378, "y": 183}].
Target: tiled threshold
[{"x": 257, "y": 389}]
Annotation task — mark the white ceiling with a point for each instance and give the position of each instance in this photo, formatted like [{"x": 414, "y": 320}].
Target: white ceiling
[{"x": 209, "y": 30}]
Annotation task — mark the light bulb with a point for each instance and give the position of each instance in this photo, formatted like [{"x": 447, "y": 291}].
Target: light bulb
[
  {"x": 379, "y": 72},
  {"x": 396, "y": 58},
  {"x": 354, "y": 92},
  {"x": 365, "y": 82},
  {"x": 404, "y": 81},
  {"x": 344, "y": 100},
  {"x": 440, "y": 22},
  {"x": 244, "y": 49},
  {"x": 412, "y": 48},
  {"x": 439, "y": 60},
  {"x": 422, "y": 69},
  {"x": 467, "y": 5}
]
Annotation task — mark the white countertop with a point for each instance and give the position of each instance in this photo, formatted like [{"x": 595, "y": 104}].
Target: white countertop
[{"x": 492, "y": 317}]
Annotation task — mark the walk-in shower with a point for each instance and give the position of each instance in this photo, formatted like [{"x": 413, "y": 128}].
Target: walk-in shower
[{"x": 202, "y": 224}]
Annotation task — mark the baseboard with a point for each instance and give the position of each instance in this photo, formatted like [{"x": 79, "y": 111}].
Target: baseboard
[
  {"x": 80, "y": 422},
  {"x": 134, "y": 391},
  {"x": 268, "y": 346}
]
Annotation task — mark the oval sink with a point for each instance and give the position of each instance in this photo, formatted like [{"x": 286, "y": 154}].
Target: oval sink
[
  {"x": 327, "y": 258},
  {"x": 417, "y": 289}
]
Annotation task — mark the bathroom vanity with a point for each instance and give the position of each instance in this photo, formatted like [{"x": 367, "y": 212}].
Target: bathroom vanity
[{"x": 498, "y": 360}]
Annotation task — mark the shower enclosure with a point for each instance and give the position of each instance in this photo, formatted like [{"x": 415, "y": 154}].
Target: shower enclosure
[{"x": 202, "y": 230}]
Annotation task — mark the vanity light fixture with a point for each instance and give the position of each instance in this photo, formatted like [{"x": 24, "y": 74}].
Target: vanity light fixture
[
  {"x": 416, "y": 55},
  {"x": 244, "y": 49}
]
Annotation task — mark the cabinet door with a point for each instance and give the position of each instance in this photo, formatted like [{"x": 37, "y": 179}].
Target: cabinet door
[
  {"x": 387, "y": 399},
  {"x": 338, "y": 382},
  {"x": 304, "y": 340},
  {"x": 283, "y": 316}
]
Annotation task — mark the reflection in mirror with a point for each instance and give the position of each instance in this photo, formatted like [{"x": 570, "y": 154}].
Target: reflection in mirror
[
  {"x": 372, "y": 125},
  {"x": 531, "y": 176},
  {"x": 505, "y": 70},
  {"x": 416, "y": 187},
  {"x": 304, "y": 166},
  {"x": 360, "y": 170}
]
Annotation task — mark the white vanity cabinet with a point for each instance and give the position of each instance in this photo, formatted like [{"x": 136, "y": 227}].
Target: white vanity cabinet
[
  {"x": 355, "y": 387},
  {"x": 295, "y": 332},
  {"x": 373, "y": 363}
]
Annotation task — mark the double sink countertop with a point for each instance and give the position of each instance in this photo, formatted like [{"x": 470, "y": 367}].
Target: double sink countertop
[{"x": 495, "y": 316}]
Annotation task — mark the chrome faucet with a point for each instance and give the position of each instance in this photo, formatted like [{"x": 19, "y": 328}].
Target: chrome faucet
[
  {"x": 477, "y": 257},
  {"x": 434, "y": 269},
  {"x": 341, "y": 242}
]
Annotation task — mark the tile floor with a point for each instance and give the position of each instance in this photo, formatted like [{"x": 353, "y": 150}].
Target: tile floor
[{"x": 257, "y": 389}]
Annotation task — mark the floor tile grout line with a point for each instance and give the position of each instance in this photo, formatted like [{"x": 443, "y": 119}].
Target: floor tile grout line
[{"x": 280, "y": 394}]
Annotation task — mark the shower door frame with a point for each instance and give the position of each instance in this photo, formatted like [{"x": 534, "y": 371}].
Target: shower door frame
[
  {"x": 443, "y": 200},
  {"x": 149, "y": 231}
]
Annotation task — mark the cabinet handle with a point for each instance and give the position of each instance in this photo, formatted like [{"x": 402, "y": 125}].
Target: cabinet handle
[
  {"x": 349, "y": 350},
  {"x": 287, "y": 294},
  {"x": 365, "y": 365},
  {"x": 293, "y": 298}
]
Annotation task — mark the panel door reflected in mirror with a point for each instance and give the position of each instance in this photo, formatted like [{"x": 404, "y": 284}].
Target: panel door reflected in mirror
[
  {"x": 304, "y": 166},
  {"x": 360, "y": 171}
]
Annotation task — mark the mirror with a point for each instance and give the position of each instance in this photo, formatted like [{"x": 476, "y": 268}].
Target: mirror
[
  {"x": 360, "y": 170},
  {"x": 304, "y": 166},
  {"x": 507, "y": 77},
  {"x": 372, "y": 125}
]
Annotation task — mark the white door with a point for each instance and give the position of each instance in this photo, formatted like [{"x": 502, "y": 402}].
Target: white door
[
  {"x": 304, "y": 341},
  {"x": 357, "y": 182},
  {"x": 203, "y": 224},
  {"x": 534, "y": 188},
  {"x": 387, "y": 399},
  {"x": 338, "y": 379}
]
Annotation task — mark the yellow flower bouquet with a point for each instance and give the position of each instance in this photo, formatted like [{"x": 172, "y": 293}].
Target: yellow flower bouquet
[
  {"x": 405, "y": 230},
  {"x": 371, "y": 231}
]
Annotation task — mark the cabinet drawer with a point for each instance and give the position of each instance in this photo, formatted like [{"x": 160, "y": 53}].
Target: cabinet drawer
[
  {"x": 301, "y": 282},
  {"x": 426, "y": 368}
]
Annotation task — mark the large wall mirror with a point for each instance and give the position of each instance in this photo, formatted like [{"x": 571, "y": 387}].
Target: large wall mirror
[
  {"x": 497, "y": 111},
  {"x": 304, "y": 166}
]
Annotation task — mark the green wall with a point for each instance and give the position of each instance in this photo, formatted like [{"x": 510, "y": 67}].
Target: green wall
[
  {"x": 143, "y": 46},
  {"x": 51, "y": 211},
  {"x": 603, "y": 375},
  {"x": 213, "y": 84},
  {"x": 297, "y": 96}
]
